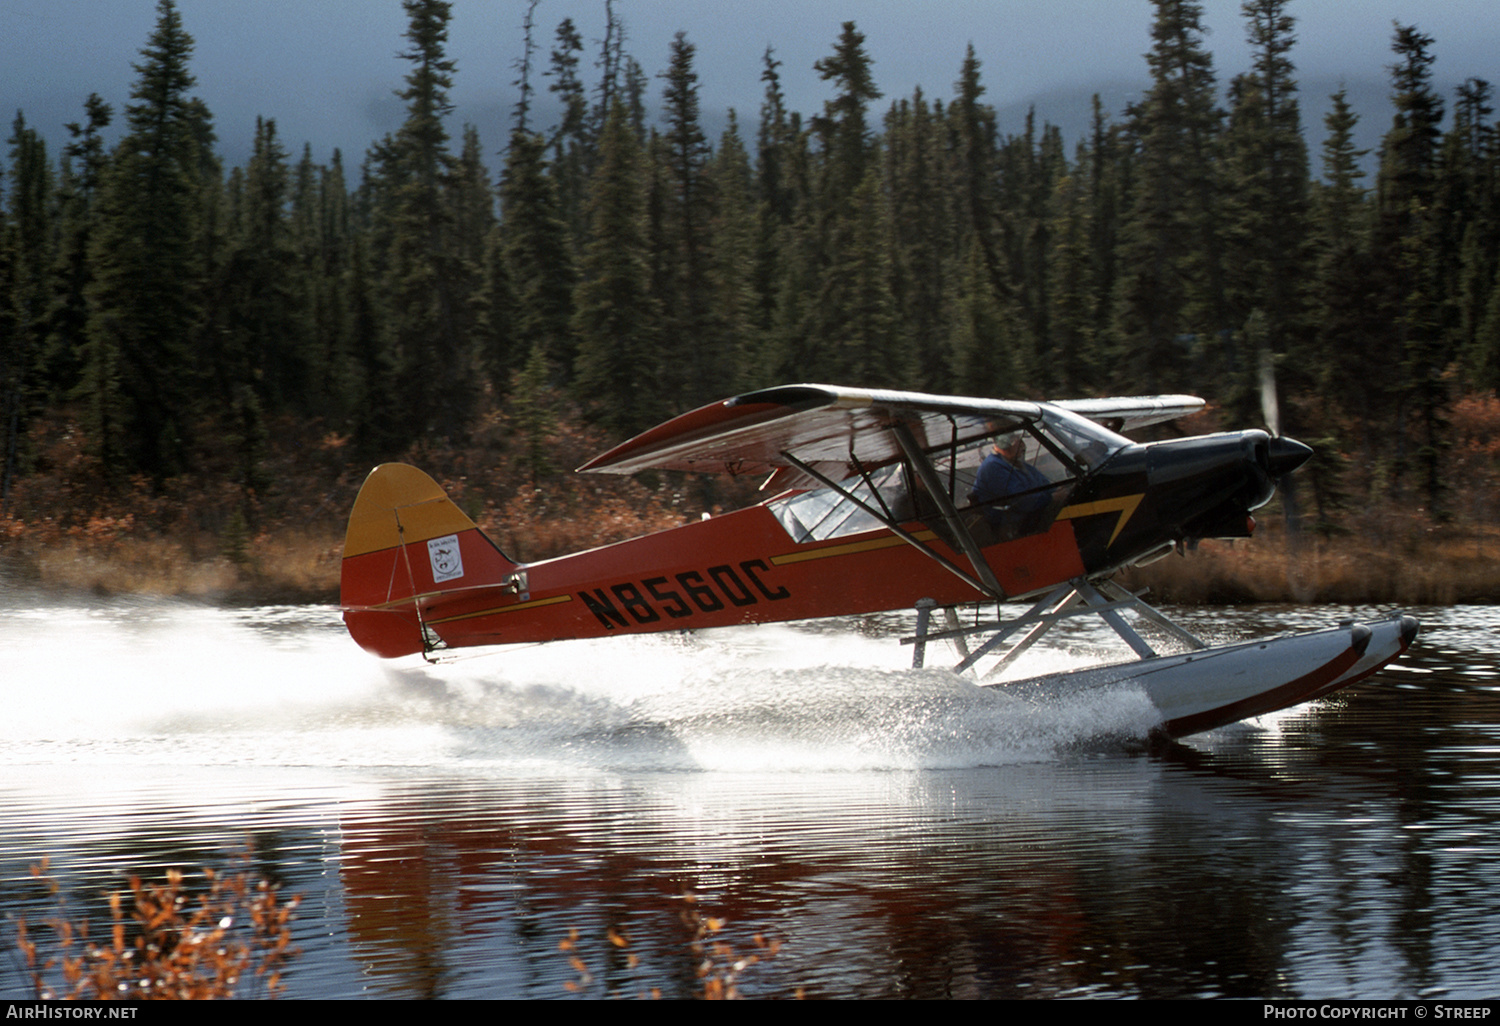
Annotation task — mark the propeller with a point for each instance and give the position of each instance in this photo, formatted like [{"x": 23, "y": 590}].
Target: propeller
[
  {"x": 1270, "y": 407},
  {"x": 1283, "y": 455}
]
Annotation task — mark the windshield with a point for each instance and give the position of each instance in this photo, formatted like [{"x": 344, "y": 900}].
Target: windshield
[{"x": 1088, "y": 443}]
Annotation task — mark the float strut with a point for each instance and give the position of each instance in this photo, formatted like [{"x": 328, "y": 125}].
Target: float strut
[{"x": 924, "y": 616}]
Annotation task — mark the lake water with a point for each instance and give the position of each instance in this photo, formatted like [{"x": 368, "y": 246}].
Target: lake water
[{"x": 900, "y": 832}]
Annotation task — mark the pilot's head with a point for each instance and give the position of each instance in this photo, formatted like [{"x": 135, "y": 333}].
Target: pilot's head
[{"x": 1010, "y": 445}]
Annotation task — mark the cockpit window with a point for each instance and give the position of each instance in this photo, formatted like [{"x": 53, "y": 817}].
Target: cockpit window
[
  {"x": 824, "y": 513},
  {"x": 1043, "y": 460}
]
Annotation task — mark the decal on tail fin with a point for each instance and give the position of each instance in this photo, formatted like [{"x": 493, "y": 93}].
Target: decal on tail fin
[{"x": 407, "y": 545}]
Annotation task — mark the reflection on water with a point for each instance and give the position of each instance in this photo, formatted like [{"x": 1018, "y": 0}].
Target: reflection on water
[{"x": 904, "y": 833}]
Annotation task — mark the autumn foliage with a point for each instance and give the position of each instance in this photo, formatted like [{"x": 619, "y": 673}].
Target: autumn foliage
[{"x": 231, "y": 937}]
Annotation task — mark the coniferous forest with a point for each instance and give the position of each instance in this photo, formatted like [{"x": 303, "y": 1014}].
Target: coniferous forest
[{"x": 216, "y": 355}]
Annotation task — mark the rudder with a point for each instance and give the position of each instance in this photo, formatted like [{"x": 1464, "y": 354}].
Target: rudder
[{"x": 406, "y": 543}]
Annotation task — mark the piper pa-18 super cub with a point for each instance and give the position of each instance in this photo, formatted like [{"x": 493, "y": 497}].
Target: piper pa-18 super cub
[{"x": 885, "y": 500}]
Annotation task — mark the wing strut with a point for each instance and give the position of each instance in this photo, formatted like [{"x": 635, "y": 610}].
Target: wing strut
[{"x": 939, "y": 495}]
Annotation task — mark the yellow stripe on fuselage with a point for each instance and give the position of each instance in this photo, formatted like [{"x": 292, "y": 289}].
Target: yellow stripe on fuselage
[
  {"x": 850, "y": 549},
  {"x": 517, "y": 607}
]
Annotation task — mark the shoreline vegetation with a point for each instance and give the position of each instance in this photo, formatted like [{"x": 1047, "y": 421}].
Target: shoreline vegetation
[
  {"x": 65, "y": 533},
  {"x": 1390, "y": 560},
  {"x": 1416, "y": 565},
  {"x": 1404, "y": 561}
]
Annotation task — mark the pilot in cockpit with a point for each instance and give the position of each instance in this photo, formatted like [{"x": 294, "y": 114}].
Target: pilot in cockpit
[{"x": 1003, "y": 473}]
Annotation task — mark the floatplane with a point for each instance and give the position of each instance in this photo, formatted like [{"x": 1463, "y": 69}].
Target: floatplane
[{"x": 883, "y": 500}]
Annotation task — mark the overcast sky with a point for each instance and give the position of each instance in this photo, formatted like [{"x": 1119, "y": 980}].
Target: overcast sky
[{"x": 326, "y": 70}]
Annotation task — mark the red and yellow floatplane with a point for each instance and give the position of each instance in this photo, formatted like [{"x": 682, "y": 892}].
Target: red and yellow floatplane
[{"x": 883, "y": 500}]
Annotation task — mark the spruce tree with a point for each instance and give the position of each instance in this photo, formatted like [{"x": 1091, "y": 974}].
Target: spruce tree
[
  {"x": 27, "y": 238},
  {"x": 922, "y": 234},
  {"x": 308, "y": 286},
  {"x": 620, "y": 362},
  {"x": 843, "y": 127},
  {"x": 1340, "y": 200},
  {"x": 427, "y": 284},
  {"x": 1029, "y": 168},
  {"x": 571, "y": 143},
  {"x": 985, "y": 347},
  {"x": 1409, "y": 151},
  {"x": 1341, "y": 291},
  {"x": 847, "y": 332},
  {"x": 327, "y": 255},
  {"x": 983, "y": 288},
  {"x": 538, "y": 268},
  {"x": 976, "y": 148},
  {"x": 139, "y": 372},
  {"x": 637, "y": 84},
  {"x": 853, "y": 317},
  {"x": 773, "y": 143},
  {"x": 1344, "y": 383},
  {"x": 734, "y": 233},
  {"x": 1170, "y": 290},
  {"x": 1342, "y": 280},
  {"x": 496, "y": 317},
  {"x": 777, "y": 197},
  {"x": 1108, "y": 175},
  {"x": 691, "y": 330},
  {"x": 83, "y": 165},
  {"x": 532, "y": 414},
  {"x": 1407, "y": 244},
  {"x": 1266, "y": 203},
  {"x": 611, "y": 64},
  {"x": 523, "y": 65},
  {"x": 374, "y": 385},
  {"x": 1069, "y": 287},
  {"x": 1468, "y": 202},
  {"x": 257, "y": 322}
]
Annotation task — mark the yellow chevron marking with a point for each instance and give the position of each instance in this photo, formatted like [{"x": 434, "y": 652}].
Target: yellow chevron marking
[{"x": 1124, "y": 506}]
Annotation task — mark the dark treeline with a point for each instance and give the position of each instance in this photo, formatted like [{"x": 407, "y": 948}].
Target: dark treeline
[{"x": 174, "y": 310}]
